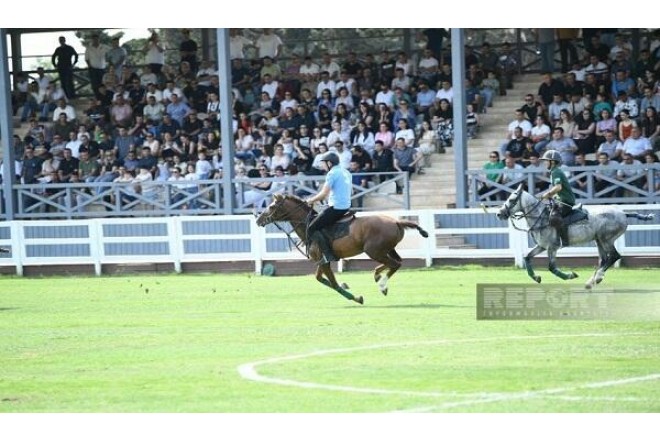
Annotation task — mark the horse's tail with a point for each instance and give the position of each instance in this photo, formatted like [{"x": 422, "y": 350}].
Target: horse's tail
[
  {"x": 409, "y": 224},
  {"x": 644, "y": 217}
]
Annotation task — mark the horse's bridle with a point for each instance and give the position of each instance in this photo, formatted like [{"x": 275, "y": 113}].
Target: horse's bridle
[{"x": 522, "y": 214}]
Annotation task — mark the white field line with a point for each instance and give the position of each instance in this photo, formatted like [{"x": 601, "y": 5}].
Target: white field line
[
  {"x": 249, "y": 371},
  {"x": 534, "y": 394}
]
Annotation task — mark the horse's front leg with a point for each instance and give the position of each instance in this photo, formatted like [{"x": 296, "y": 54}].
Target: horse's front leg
[
  {"x": 331, "y": 282},
  {"x": 528, "y": 263},
  {"x": 552, "y": 266}
]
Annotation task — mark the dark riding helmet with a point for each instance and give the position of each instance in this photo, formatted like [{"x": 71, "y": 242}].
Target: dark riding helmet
[
  {"x": 331, "y": 157},
  {"x": 552, "y": 155}
]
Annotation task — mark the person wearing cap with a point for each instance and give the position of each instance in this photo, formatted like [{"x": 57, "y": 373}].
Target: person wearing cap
[
  {"x": 337, "y": 189},
  {"x": 561, "y": 192}
]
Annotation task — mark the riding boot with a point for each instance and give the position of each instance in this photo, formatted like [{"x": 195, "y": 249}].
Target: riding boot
[
  {"x": 324, "y": 246},
  {"x": 556, "y": 222},
  {"x": 563, "y": 234}
]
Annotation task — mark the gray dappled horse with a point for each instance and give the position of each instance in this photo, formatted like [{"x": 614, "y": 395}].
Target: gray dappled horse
[{"x": 603, "y": 225}]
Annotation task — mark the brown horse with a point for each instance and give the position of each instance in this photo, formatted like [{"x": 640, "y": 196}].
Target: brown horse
[{"x": 374, "y": 235}]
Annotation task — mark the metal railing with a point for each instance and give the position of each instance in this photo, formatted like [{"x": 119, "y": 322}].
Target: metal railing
[
  {"x": 590, "y": 185},
  {"x": 169, "y": 198}
]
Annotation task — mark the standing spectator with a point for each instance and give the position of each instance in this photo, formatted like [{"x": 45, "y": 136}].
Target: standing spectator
[
  {"x": 237, "y": 44},
  {"x": 269, "y": 44},
  {"x": 116, "y": 55},
  {"x": 188, "y": 50},
  {"x": 155, "y": 54},
  {"x": 567, "y": 50},
  {"x": 64, "y": 59},
  {"x": 95, "y": 59},
  {"x": 433, "y": 38},
  {"x": 545, "y": 38}
]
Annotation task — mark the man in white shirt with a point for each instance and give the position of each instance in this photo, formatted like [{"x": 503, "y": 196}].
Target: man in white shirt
[
  {"x": 627, "y": 103},
  {"x": 330, "y": 66},
  {"x": 269, "y": 44},
  {"x": 237, "y": 44},
  {"x": 325, "y": 83},
  {"x": 521, "y": 122},
  {"x": 428, "y": 66},
  {"x": 96, "y": 63},
  {"x": 63, "y": 107},
  {"x": 637, "y": 145},
  {"x": 385, "y": 96},
  {"x": 270, "y": 86},
  {"x": 446, "y": 92}
]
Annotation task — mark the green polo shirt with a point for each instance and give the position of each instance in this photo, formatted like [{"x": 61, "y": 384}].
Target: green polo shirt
[{"x": 566, "y": 195}]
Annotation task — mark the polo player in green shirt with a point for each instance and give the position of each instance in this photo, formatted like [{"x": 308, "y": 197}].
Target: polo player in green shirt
[{"x": 561, "y": 192}]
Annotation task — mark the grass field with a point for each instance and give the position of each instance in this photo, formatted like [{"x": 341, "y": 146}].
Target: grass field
[{"x": 244, "y": 343}]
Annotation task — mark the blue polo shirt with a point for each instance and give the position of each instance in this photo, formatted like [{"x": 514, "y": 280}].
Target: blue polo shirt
[{"x": 339, "y": 180}]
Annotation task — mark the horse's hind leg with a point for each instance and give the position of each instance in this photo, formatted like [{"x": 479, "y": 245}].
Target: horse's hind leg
[
  {"x": 331, "y": 282},
  {"x": 388, "y": 260},
  {"x": 611, "y": 257},
  {"x": 552, "y": 266}
]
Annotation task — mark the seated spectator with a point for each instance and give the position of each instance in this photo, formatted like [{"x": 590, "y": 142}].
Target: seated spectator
[
  {"x": 632, "y": 174},
  {"x": 493, "y": 163},
  {"x": 651, "y": 159},
  {"x": 605, "y": 171},
  {"x": 540, "y": 134},
  {"x": 405, "y": 159},
  {"x": 564, "y": 145},
  {"x": 650, "y": 125},
  {"x": 626, "y": 125},
  {"x": 611, "y": 146},
  {"x": 516, "y": 146},
  {"x": 637, "y": 146},
  {"x": 511, "y": 180}
]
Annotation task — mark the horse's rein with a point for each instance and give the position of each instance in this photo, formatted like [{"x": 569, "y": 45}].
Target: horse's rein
[{"x": 523, "y": 215}]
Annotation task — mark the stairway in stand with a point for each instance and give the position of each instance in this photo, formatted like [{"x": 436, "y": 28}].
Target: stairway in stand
[{"x": 436, "y": 188}]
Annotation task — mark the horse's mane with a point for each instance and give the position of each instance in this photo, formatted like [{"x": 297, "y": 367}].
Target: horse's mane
[{"x": 299, "y": 203}]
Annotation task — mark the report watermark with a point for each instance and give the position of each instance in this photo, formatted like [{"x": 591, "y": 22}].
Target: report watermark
[{"x": 509, "y": 301}]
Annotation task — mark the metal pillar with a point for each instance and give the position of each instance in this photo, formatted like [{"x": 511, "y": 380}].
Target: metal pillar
[
  {"x": 226, "y": 131},
  {"x": 6, "y": 129},
  {"x": 459, "y": 106}
]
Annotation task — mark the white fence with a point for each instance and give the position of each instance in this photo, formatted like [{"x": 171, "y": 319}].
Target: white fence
[{"x": 182, "y": 239}]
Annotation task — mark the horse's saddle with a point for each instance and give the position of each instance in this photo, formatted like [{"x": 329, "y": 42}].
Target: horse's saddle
[
  {"x": 576, "y": 215},
  {"x": 340, "y": 228}
]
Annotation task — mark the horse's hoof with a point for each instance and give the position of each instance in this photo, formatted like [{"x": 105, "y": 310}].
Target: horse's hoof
[
  {"x": 573, "y": 275},
  {"x": 588, "y": 286},
  {"x": 537, "y": 279},
  {"x": 344, "y": 285},
  {"x": 359, "y": 300},
  {"x": 376, "y": 277},
  {"x": 384, "y": 291}
]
